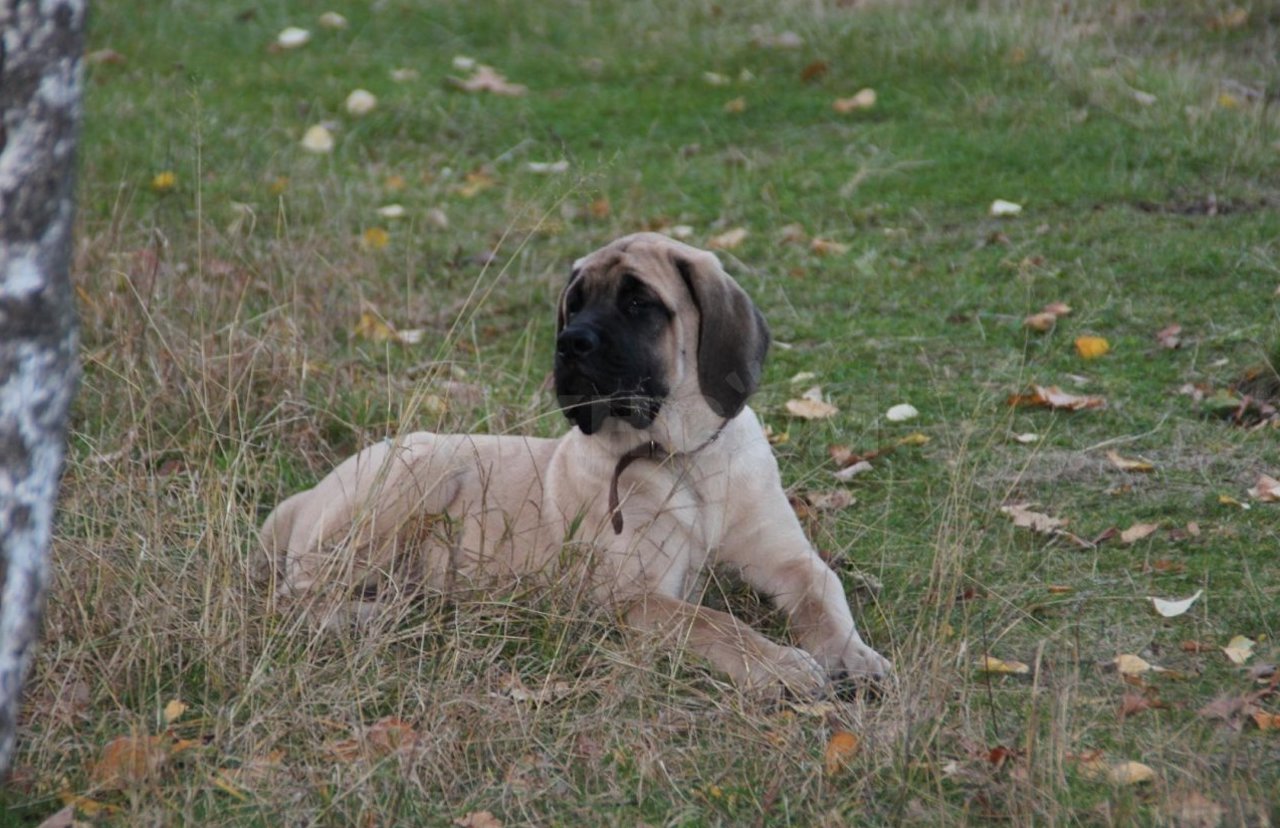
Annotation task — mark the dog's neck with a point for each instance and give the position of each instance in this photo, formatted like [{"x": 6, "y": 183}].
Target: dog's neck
[{"x": 648, "y": 450}]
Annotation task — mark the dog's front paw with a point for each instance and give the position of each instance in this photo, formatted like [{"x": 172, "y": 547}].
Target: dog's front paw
[
  {"x": 790, "y": 671},
  {"x": 860, "y": 661}
]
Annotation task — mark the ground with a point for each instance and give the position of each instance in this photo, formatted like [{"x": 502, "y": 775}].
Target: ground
[{"x": 252, "y": 313}]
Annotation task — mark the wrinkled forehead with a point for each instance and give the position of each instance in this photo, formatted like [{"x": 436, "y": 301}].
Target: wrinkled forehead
[{"x": 607, "y": 268}]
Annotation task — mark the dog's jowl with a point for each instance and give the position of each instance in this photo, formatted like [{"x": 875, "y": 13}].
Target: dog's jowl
[{"x": 665, "y": 472}]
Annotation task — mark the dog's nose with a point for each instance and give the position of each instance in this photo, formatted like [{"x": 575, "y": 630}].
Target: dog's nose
[{"x": 576, "y": 341}]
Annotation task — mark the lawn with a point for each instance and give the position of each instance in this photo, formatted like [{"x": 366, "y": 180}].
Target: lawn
[{"x": 254, "y": 311}]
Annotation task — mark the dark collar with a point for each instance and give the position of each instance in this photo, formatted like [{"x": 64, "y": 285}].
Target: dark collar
[{"x": 650, "y": 450}]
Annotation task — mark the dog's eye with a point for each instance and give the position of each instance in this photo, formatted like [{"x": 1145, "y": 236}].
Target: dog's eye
[{"x": 637, "y": 305}]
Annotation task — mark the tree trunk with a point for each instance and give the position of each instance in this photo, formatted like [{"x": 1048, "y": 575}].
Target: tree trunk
[{"x": 41, "y": 42}]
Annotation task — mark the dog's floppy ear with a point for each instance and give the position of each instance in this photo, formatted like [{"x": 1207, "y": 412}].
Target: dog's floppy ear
[{"x": 733, "y": 337}]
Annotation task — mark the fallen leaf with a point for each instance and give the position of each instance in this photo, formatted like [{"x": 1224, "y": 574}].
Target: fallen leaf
[
  {"x": 1052, "y": 396},
  {"x": 1132, "y": 665},
  {"x": 1130, "y": 773},
  {"x": 163, "y": 182},
  {"x": 1265, "y": 720},
  {"x": 811, "y": 406},
  {"x": 1266, "y": 490},
  {"x": 374, "y": 238},
  {"x": 1133, "y": 703},
  {"x": 1138, "y": 531},
  {"x": 487, "y": 79},
  {"x": 404, "y": 74},
  {"x": 915, "y": 438},
  {"x": 728, "y": 240},
  {"x": 1002, "y": 209},
  {"x": 862, "y": 99},
  {"x": 128, "y": 760},
  {"x": 373, "y": 328},
  {"x": 814, "y": 70},
  {"x": 1224, "y": 707},
  {"x": 332, "y": 20},
  {"x": 1168, "y": 336},
  {"x": 841, "y": 748},
  {"x": 1026, "y": 438},
  {"x": 849, "y": 472},
  {"x": 390, "y": 735},
  {"x": 547, "y": 167},
  {"x": 991, "y": 664},
  {"x": 901, "y": 413},
  {"x": 317, "y": 139},
  {"x": 1194, "y": 810},
  {"x": 735, "y": 106},
  {"x": 1172, "y": 609},
  {"x": 1091, "y": 347},
  {"x": 1040, "y": 321},
  {"x": 831, "y": 501},
  {"x": 478, "y": 819},
  {"x": 103, "y": 57},
  {"x": 361, "y": 102},
  {"x": 1239, "y": 649},
  {"x": 475, "y": 183},
  {"x": 1233, "y": 18},
  {"x": 1192, "y": 646},
  {"x": 1129, "y": 464},
  {"x": 1058, "y": 309},
  {"x": 1060, "y": 589},
  {"x": 293, "y": 38},
  {"x": 825, "y": 247},
  {"x": 715, "y": 78},
  {"x": 792, "y": 234},
  {"x": 173, "y": 711},
  {"x": 1023, "y": 517}
]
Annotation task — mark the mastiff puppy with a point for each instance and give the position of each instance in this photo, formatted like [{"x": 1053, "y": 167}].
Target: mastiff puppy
[{"x": 666, "y": 472}]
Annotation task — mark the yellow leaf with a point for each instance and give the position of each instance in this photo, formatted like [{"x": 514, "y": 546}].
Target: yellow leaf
[
  {"x": 991, "y": 664},
  {"x": 173, "y": 711},
  {"x": 372, "y": 327},
  {"x": 163, "y": 182},
  {"x": 915, "y": 438},
  {"x": 476, "y": 182},
  {"x": 736, "y": 106},
  {"x": 375, "y": 238},
  {"x": 1091, "y": 347},
  {"x": 394, "y": 183},
  {"x": 1132, "y": 665},
  {"x": 1228, "y": 500},
  {"x": 1239, "y": 649},
  {"x": 841, "y": 749},
  {"x": 1228, "y": 101},
  {"x": 1129, "y": 464}
]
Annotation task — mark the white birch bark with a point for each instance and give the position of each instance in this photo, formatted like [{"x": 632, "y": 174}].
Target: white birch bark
[{"x": 41, "y": 45}]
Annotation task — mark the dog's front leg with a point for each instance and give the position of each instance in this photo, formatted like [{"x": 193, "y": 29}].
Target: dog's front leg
[
  {"x": 778, "y": 560},
  {"x": 752, "y": 661}
]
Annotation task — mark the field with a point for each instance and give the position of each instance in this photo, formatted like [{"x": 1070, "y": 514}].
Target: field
[{"x": 253, "y": 311}]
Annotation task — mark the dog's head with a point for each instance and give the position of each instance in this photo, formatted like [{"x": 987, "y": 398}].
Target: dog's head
[{"x": 655, "y": 334}]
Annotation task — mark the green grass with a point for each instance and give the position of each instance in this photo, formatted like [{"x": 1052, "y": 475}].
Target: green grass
[{"x": 223, "y": 371}]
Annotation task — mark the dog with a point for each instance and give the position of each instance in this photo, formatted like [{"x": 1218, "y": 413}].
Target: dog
[{"x": 665, "y": 472}]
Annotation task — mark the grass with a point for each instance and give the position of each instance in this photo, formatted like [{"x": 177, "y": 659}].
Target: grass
[{"x": 223, "y": 371}]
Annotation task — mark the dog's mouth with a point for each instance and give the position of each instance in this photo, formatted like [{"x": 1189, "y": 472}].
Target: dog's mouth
[{"x": 587, "y": 405}]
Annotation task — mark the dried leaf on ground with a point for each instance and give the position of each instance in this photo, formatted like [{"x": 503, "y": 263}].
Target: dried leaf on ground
[
  {"x": 1091, "y": 347},
  {"x": 841, "y": 748},
  {"x": 318, "y": 139},
  {"x": 173, "y": 711},
  {"x": 475, "y": 183},
  {"x": 991, "y": 664},
  {"x": 1132, "y": 665},
  {"x": 478, "y": 819},
  {"x": 293, "y": 37},
  {"x": 1130, "y": 464},
  {"x": 128, "y": 760},
  {"x": 735, "y": 106},
  {"x": 360, "y": 102},
  {"x": 1239, "y": 649},
  {"x": 1047, "y": 317},
  {"x": 374, "y": 328},
  {"x": 1022, "y": 516},
  {"x": 1266, "y": 490},
  {"x": 1138, "y": 531},
  {"x": 1170, "y": 336},
  {"x": 849, "y": 472},
  {"x": 862, "y": 99},
  {"x": 826, "y": 247},
  {"x": 728, "y": 240},
  {"x": 1265, "y": 720},
  {"x": 1134, "y": 703},
  {"x": 487, "y": 79},
  {"x": 1172, "y": 609},
  {"x": 1192, "y": 809},
  {"x": 901, "y": 412},
  {"x": 811, "y": 406},
  {"x": 1003, "y": 209},
  {"x": 1051, "y": 396}
]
